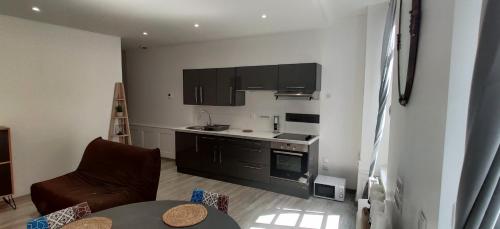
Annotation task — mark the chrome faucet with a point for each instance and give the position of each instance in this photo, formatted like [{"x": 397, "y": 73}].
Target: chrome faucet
[{"x": 209, "y": 116}]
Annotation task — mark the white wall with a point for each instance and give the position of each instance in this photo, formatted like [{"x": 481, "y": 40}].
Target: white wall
[
  {"x": 342, "y": 100},
  {"x": 418, "y": 130},
  {"x": 153, "y": 73},
  {"x": 258, "y": 112},
  {"x": 375, "y": 24},
  {"x": 463, "y": 52},
  {"x": 56, "y": 90},
  {"x": 426, "y": 133}
]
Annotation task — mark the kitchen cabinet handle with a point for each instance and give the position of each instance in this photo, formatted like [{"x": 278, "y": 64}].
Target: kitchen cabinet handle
[
  {"x": 215, "y": 157},
  {"x": 230, "y": 95},
  {"x": 196, "y": 94},
  {"x": 201, "y": 95},
  {"x": 196, "y": 145},
  {"x": 256, "y": 87},
  {"x": 295, "y": 87},
  {"x": 208, "y": 138},
  {"x": 220, "y": 157},
  {"x": 253, "y": 150},
  {"x": 252, "y": 167}
]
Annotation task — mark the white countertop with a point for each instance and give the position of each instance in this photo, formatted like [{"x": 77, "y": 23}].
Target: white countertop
[{"x": 238, "y": 133}]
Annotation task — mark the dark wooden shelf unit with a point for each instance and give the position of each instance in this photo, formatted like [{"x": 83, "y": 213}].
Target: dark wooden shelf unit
[{"x": 6, "y": 176}]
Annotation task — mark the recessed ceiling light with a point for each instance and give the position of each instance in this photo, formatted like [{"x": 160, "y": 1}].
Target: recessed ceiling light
[
  {"x": 196, "y": 25},
  {"x": 145, "y": 33},
  {"x": 35, "y": 8},
  {"x": 263, "y": 16}
]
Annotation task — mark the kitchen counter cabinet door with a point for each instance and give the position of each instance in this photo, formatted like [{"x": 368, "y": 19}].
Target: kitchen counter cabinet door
[
  {"x": 210, "y": 156},
  {"x": 245, "y": 159},
  {"x": 186, "y": 151}
]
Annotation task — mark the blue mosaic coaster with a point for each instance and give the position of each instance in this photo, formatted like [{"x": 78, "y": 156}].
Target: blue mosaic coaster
[
  {"x": 197, "y": 196},
  {"x": 38, "y": 223}
]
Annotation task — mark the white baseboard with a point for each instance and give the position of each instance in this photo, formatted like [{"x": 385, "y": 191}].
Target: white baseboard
[{"x": 154, "y": 137}]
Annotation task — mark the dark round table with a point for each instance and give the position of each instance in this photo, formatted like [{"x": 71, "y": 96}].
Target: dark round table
[{"x": 148, "y": 215}]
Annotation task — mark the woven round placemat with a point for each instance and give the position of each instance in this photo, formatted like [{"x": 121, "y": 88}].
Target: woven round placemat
[
  {"x": 185, "y": 215},
  {"x": 90, "y": 223}
]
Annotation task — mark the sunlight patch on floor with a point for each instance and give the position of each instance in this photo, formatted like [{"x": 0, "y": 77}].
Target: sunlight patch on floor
[
  {"x": 265, "y": 219},
  {"x": 296, "y": 218},
  {"x": 311, "y": 221},
  {"x": 287, "y": 219},
  {"x": 333, "y": 222}
]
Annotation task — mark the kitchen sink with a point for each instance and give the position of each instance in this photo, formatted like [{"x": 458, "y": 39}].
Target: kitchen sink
[{"x": 210, "y": 127}]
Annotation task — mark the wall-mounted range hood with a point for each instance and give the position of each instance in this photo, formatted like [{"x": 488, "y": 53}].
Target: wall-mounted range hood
[
  {"x": 296, "y": 95},
  {"x": 299, "y": 81}
]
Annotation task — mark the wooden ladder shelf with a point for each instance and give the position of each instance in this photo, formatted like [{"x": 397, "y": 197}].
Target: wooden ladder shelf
[{"x": 119, "y": 127}]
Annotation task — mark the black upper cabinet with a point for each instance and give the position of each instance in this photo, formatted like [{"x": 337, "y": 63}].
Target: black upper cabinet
[
  {"x": 207, "y": 87},
  {"x": 190, "y": 87},
  {"x": 258, "y": 77},
  {"x": 299, "y": 77},
  {"x": 226, "y": 88},
  {"x": 215, "y": 87}
]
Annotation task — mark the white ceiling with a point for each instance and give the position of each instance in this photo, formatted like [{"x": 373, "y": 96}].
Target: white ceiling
[{"x": 171, "y": 21}]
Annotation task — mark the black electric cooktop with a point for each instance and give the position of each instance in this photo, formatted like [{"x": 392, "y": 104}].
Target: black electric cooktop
[{"x": 299, "y": 137}]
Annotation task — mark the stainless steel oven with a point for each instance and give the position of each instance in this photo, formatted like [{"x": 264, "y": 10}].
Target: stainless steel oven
[{"x": 289, "y": 161}]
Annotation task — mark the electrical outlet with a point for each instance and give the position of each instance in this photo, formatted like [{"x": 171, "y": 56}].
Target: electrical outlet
[
  {"x": 324, "y": 165},
  {"x": 170, "y": 95}
]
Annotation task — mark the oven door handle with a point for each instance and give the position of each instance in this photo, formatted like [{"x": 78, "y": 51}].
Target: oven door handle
[
  {"x": 288, "y": 153},
  {"x": 251, "y": 167}
]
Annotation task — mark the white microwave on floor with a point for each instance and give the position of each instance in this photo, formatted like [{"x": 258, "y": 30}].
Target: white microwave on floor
[{"x": 328, "y": 187}]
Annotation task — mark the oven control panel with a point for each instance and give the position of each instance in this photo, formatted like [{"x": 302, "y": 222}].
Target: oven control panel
[{"x": 290, "y": 147}]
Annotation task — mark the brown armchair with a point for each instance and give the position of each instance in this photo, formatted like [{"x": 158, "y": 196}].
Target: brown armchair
[{"x": 110, "y": 174}]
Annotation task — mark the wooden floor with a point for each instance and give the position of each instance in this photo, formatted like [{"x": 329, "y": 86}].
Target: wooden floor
[{"x": 252, "y": 208}]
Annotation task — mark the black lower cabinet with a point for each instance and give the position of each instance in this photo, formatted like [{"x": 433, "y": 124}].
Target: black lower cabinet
[
  {"x": 251, "y": 171},
  {"x": 235, "y": 160},
  {"x": 246, "y": 159},
  {"x": 210, "y": 156},
  {"x": 220, "y": 156},
  {"x": 187, "y": 155}
]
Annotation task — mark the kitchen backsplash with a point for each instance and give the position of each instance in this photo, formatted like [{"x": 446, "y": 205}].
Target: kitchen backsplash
[{"x": 258, "y": 112}]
